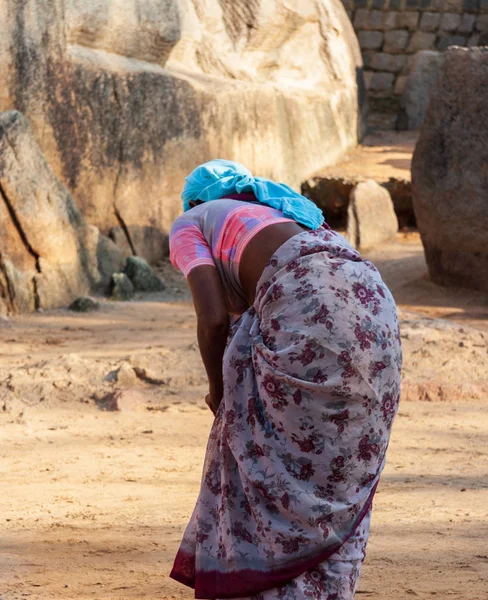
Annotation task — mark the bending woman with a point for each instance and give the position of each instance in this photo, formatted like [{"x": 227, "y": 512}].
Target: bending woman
[{"x": 304, "y": 386}]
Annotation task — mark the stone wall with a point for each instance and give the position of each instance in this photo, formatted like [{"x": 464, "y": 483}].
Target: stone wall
[{"x": 390, "y": 32}]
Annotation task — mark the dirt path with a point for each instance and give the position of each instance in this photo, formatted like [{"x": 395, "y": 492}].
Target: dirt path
[
  {"x": 382, "y": 155},
  {"x": 93, "y": 502}
]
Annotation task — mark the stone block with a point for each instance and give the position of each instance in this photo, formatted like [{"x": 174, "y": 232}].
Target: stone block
[
  {"x": 376, "y": 19},
  {"x": 400, "y": 85},
  {"x": 408, "y": 20},
  {"x": 396, "y": 41},
  {"x": 430, "y": 21},
  {"x": 361, "y": 19},
  {"x": 382, "y": 82},
  {"x": 482, "y": 23},
  {"x": 453, "y": 6},
  {"x": 371, "y": 216},
  {"x": 422, "y": 40},
  {"x": 397, "y": 4},
  {"x": 370, "y": 40},
  {"x": 411, "y": 4},
  {"x": 471, "y": 6},
  {"x": 368, "y": 56},
  {"x": 475, "y": 40},
  {"x": 467, "y": 23},
  {"x": 392, "y": 63},
  {"x": 368, "y": 19},
  {"x": 368, "y": 76},
  {"x": 450, "y": 21},
  {"x": 360, "y": 3},
  {"x": 390, "y": 20},
  {"x": 445, "y": 41}
]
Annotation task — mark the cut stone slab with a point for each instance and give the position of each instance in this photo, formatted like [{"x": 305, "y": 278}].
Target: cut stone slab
[
  {"x": 371, "y": 217},
  {"x": 450, "y": 174}
]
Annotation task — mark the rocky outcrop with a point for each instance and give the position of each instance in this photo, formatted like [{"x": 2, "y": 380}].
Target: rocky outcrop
[
  {"x": 450, "y": 175},
  {"x": 371, "y": 218},
  {"x": 127, "y": 96},
  {"x": 48, "y": 254}
]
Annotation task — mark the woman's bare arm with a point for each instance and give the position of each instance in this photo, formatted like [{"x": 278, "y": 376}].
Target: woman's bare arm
[{"x": 212, "y": 325}]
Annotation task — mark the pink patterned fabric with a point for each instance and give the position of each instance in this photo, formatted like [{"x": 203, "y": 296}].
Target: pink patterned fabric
[
  {"x": 312, "y": 383},
  {"x": 217, "y": 233}
]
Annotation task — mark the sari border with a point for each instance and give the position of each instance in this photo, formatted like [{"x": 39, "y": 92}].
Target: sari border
[{"x": 209, "y": 585}]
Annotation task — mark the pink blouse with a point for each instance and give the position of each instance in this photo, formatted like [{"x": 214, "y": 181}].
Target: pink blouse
[{"x": 216, "y": 233}]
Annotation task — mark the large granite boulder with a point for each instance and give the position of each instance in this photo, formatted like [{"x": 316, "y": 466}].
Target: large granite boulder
[
  {"x": 48, "y": 254},
  {"x": 421, "y": 82},
  {"x": 450, "y": 172},
  {"x": 126, "y": 97}
]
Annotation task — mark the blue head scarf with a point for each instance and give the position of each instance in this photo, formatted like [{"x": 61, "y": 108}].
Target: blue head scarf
[{"x": 219, "y": 178}]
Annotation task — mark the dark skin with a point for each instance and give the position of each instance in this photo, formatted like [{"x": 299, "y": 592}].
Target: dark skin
[{"x": 208, "y": 297}]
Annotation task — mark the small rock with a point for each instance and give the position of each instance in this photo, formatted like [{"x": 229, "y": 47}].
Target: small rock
[
  {"x": 121, "y": 287},
  {"x": 121, "y": 400},
  {"x": 84, "y": 304},
  {"x": 126, "y": 375},
  {"x": 142, "y": 275},
  {"x": 372, "y": 219}
]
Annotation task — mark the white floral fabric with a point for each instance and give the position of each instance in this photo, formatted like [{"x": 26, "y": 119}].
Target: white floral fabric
[{"x": 312, "y": 384}]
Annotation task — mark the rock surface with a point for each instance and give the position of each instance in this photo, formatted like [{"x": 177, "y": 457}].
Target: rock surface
[
  {"x": 142, "y": 276},
  {"x": 126, "y": 97},
  {"x": 48, "y": 254},
  {"x": 121, "y": 287},
  {"x": 421, "y": 82},
  {"x": 84, "y": 304},
  {"x": 371, "y": 217},
  {"x": 450, "y": 175}
]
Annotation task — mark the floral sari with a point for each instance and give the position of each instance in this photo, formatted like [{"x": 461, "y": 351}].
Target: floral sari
[{"x": 312, "y": 383}]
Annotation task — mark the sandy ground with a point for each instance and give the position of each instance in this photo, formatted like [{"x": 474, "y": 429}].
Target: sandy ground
[
  {"x": 103, "y": 431},
  {"x": 93, "y": 501},
  {"x": 382, "y": 155}
]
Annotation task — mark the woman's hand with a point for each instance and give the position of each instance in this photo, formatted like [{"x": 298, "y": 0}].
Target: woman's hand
[{"x": 213, "y": 402}]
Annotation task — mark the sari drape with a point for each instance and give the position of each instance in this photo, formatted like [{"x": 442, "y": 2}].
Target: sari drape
[{"x": 312, "y": 384}]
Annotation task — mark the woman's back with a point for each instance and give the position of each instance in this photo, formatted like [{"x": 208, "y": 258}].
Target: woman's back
[{"x": 229, "y": 234}]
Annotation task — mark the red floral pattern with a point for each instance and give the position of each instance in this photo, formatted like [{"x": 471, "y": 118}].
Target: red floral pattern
[{"x": 312, "y": 380}]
